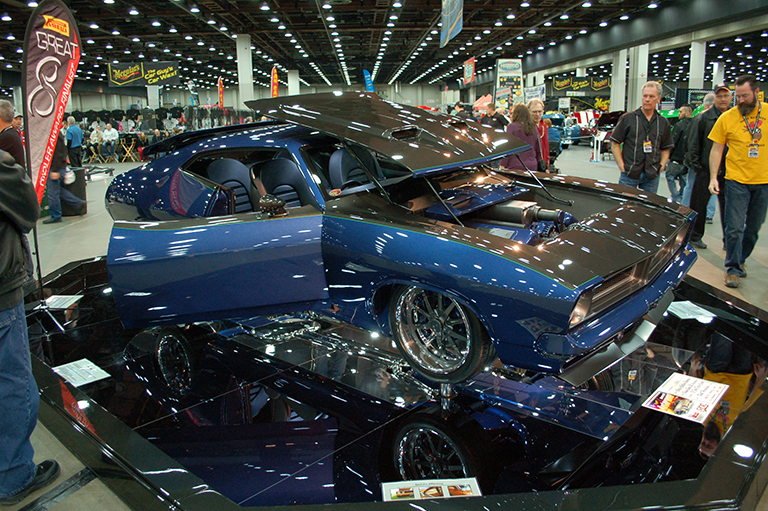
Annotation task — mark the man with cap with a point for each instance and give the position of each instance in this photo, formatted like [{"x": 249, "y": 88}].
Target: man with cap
[
  {"x": 18, "y": 124},
  {"x": 746, "y": 174},
  {"x": 699, "y": 147}
]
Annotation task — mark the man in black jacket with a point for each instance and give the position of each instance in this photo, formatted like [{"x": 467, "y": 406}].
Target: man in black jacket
[
  {"x": 676, "y": 170},
  {"x": 699, "y": 146},
  {"x": 19, "y": 210},
  {"x": 493, "y": 118}
]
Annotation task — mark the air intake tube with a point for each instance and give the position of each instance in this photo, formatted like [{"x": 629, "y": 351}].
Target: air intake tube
[{"x": 525, "y": 213}]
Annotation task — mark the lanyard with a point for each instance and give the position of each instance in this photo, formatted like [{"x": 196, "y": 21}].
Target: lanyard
[
  {"x": 752, "y": 131},
  {"x": 646, "y": 125}
]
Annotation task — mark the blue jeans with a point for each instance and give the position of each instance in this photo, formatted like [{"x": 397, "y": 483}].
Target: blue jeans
[
  {"x": 689, "y": 178},
  {"x": 643, "y": 183},
  {"x": 745, "y": 208},
  {"x": 20, "y": 399},
  {"x": 109, "y": 148},
  {"x": 55, "y": 195},
  {"x": 675, "y": 183}
]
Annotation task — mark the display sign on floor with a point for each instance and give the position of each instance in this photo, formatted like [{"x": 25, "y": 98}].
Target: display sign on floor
[
  {"x": 430, "y": 489},
  {"x": 687, "y": 397}
]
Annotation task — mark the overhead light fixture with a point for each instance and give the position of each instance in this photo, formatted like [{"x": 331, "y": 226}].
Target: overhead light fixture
[
  {"x": 603, "y": 23},
  {"x": 264, "y": 6},
  {"x": 586, "y": 5},
  {"x": 133, "y": 11},
  {"x": 326, "y": 5},
  {"x": 653, "y": 5},
  {"x": 624, "y": 17},
  {"x": 525, "y": 4},
  {"x": 211, "y": 22},
  {"x": 89, "y": 41},
  {"x": 194, "y": 9},
  {"x": 109, "y": 1},
  {"x": 32, "y": 4},
  {"x": 156, "y": 23},
  {"x": 115, "y": 31},
  {"x": 6, "y": 17},
  {"x": 94, "y": 26},
  {"x": 397, "y": 4},
  {"x": 11, "y": 37},
  {"x": 564, "y": 16},
  {"x": 223, "y": 28},
  {"x": 172, "y": 30}
]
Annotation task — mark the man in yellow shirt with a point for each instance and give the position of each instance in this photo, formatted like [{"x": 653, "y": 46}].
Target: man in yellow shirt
[{"x": 746, "y": 174}]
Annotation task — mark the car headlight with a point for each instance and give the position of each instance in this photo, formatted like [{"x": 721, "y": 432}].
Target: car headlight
[{"x": 581, "y": 310}]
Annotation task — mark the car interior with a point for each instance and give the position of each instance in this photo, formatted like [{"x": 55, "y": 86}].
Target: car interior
[{"x": 247, "y": 175}]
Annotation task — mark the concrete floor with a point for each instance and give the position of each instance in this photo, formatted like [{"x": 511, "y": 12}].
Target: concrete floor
[{"x": 88, "y": 236}]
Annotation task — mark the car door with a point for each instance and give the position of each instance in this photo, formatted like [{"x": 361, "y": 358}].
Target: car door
[{"x": 197, "y": 269}]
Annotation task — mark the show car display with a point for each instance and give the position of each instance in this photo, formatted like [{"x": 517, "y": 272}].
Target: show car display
[{"x": 395, "y": 220}]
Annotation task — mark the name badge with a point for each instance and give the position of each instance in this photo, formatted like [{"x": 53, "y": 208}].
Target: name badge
[
  {"x": 752, "y": 153},
  {"x": 647, "y": 146}
]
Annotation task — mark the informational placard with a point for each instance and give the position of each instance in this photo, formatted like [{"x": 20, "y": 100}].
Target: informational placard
[
  {"x": 688, "y": 310},
  {"x": 687, "y": 397},
  {"x": 81, "y": 372},
  {"x": 535, "y": 91},
  {"x": 430, "y": 489},
  {"x": 564, "y": 103},
  {"x": 469, "y": 70}
]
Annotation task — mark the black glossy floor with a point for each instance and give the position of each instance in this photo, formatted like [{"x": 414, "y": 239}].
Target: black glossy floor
[{"x": 87, "y": 236}]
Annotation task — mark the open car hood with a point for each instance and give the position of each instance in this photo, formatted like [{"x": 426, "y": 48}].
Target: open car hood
[{"x": 425, "y": 142}]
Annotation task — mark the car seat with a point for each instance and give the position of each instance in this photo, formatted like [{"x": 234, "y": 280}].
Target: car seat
[
  {"x": 237, "y": 177},
  {"x": 344, "y": 168},
  {"x": 282, "y": 178}
]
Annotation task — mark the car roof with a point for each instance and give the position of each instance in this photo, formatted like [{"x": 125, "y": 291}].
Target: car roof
[{"x": 427, "y": 143}]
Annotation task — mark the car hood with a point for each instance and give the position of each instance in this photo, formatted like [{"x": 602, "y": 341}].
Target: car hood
[{"x": 427, "y": 143}]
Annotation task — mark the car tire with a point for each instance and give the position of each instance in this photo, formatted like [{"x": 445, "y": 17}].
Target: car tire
[
  {"x": 428, "y": 447},
  {"x": 601, "y": 381},
  {"x": 439, "y": 337}
]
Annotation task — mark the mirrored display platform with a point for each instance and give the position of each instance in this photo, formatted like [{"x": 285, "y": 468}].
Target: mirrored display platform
[{"x": 303, "y": 410}]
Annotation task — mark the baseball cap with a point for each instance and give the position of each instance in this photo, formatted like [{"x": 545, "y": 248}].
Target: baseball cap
[
  {"x": 720, "y": 86},
  {"x": 17, "y": 114}
]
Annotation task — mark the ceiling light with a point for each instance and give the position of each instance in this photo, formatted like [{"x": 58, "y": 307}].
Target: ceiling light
[
  {"x": 156, "y": 23},
  {"x": 32, "y": 4},
  {"x": 109, "y": 46},
  {"x": 172, "y": 30},
  {"x": 624, "y": 17},
  {"x": 211, "y": 22},
  {"x": 115, "y": 31},
  {"x": 89, "y": 41},
  {"x": 6, "y": 17},
  {"x": 586, "y": 4},
  {"x": 525, "y": 4},
  {"x": 532, "y": 31},
  {"x": 264, "y": 6},
  {"x": 275, "y": 20},
  {"x": 330, "y": 18},
  {"x": 548, "y": 24},
  {"x": 564, "y": 16},
  {"x": 653, "y": 5},
  {"x": 188, "y": 37},
  {"x": 94, "y": 26},
  {"x": 223, "y": 28},
  {"x": 194, "y": 9},
  {"x": 11, "y": 37},
  {"x": 200, "y": 43},
  {"x": 326, "y": 5},
  {"x": 109, "y": 1},
  {"x": 603, "y": 23}
]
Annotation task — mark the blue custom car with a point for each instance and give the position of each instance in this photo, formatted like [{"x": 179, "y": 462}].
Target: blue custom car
[{"x": 393, "y": 219}]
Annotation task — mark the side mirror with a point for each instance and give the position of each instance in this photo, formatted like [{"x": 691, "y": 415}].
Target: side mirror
[{"x": 272, "y": 206}]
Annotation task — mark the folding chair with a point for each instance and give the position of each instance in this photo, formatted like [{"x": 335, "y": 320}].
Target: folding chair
[{"x": 128, "y": 149}]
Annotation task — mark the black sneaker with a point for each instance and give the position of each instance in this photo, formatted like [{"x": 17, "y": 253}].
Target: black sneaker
[
  {"x": 46, "y": 473},
  {"x": 699, "y": 244},
  {"x": 52, "y": 221}
]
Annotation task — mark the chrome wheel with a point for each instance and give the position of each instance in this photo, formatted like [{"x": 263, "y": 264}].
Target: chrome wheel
[
  {"x": 433, "y": 329},
  {"x": 175, "y": 362},
  {"x": 424, "y": 452}
]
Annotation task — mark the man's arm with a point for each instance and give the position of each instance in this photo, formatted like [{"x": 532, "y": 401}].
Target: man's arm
[
  {"x": 715, "y": 157},
  {"x": 18, "y": 200},
  {"x": 664, "y": 160},
  {"x": 616, "y": 150}
]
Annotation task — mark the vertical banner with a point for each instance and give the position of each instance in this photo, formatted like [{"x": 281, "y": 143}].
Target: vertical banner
[
  {"x": 368, "y": 80},
  {"x": 51, "y": 57},
  {"x": 221, "y": 93},
  {"x": 452, "y": 18},
  {"x": 274, "y": 81},
  {"x": 469, "y": 71},
  {"x": 509, "y": 75}
]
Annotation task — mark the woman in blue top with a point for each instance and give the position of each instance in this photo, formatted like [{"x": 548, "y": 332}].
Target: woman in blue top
[{"x": 522, "y": 127}]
